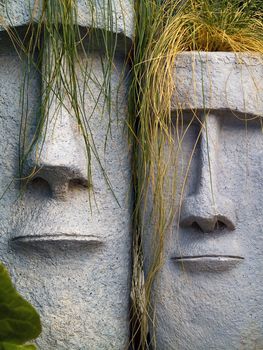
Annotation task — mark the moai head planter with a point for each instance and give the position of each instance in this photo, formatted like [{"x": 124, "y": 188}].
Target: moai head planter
[
  {"x": 67, "y": 239},
  {"x": 208, "y": 293},
  {"x": 93, "y": 13}
]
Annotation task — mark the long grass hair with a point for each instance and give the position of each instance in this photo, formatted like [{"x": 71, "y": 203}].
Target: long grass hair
[{"x": 54, "y": 45}]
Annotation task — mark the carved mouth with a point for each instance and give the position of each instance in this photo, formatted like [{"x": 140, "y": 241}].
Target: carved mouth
[
  {"x": 58, "y": 239},
  {"x": 213, "y": 263}
]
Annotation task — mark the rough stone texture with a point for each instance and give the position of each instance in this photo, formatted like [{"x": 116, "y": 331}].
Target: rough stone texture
[
  {"x": 67, "y": 245},
  {"x": 228, "y": 82},
  {"x": 90, "y": 14},
  {"x": 208, "y": 294}
]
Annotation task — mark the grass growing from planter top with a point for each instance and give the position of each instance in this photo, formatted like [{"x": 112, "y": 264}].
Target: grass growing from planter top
[{"x": 163, "y": 30}]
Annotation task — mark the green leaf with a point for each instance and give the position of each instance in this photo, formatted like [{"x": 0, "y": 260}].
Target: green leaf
[
  {"x": 19, "y": 321},
  {"x": 9, "y": 346}
]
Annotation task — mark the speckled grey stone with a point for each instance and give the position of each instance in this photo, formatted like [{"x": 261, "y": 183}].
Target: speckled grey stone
[
  {"x": 67, "y": 241},
  {"x": 90, "y": 14},
  {"x": 209, "y": 292},
  {"x": 218, "y": 81}
]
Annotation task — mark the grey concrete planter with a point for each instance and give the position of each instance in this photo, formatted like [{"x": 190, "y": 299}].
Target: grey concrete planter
[
  {"x": 219, "y": 80},
  {"x": 208, "y": 293},
  {"x": 20, "y": 12}
]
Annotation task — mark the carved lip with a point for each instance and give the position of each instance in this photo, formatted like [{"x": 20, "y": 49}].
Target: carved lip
[
  {"x": 67, "y": 238},
  {"x": 208, "y": 262}
]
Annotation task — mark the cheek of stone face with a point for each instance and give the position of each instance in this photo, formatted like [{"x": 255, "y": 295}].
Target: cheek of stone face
[
  {"x": 11, "y": 78},
  {"x": 181, "y": 158},
  {"x": 185, "y": 153},
  {"x": 240, "y": 162}
]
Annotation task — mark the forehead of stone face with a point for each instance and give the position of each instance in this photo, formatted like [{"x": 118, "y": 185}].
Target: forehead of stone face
[
  {"x": 113, "y": 15},
  {"x": 218, "y": 81}
]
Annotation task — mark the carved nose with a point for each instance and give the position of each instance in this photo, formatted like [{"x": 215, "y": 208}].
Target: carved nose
[
  {"x": 201, "y": 210},
  {"x": 60, "y": 154},
  {"x": 206, "y": 207},
  {"x": 61, "y": 158}
]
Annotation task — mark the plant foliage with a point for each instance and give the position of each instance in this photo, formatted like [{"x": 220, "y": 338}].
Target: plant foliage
[{"x": 19, "y": 321}]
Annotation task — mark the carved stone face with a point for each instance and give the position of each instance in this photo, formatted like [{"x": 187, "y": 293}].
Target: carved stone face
[
  {"x": 208, "y": 294},
  {"x": 93, "y": 13},
  {"x": 65, "y": 240}
]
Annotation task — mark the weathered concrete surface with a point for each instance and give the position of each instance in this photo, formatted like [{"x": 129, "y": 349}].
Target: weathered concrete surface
[
  {"x": 208, "y": 294},
  {"x": 68, "y": 250},
  {"x": 227, "y": 81},
  {"x": 95, "y": 14}
]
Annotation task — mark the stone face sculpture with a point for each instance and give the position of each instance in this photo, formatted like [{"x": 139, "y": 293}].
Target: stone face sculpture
[
  {"x": 208, "y": 293},
  {"x": 66, "y": 241},
  {"x": 93, "y": 13}
]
